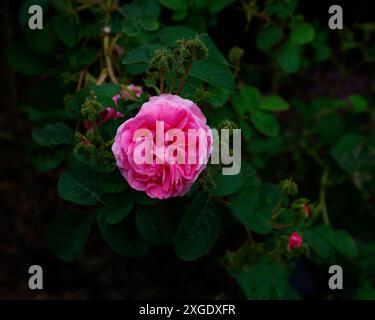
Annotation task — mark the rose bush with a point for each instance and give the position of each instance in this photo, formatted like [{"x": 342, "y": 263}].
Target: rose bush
[{"x": 302, "y": 200}]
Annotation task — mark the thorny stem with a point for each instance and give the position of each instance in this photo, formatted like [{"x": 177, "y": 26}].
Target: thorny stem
[
  {"x": 107, "y": 54},
  {"x": 262, "y": 16},
  {"x": 80, "y": 80},
  {"x": 83, "y": 74},
  {"x": 183, "y": 79},
  {"x": 250, "y": 237},
  {"x": 221, "y": 200},
  {"x": 280, "y": 226},
  {"x": 276, "y": 210},
  {"x": 102, "y": 77},
  {"x": 161, "y": 82}
]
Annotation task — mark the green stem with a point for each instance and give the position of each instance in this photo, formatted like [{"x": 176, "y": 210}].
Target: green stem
[
  {"x": 250, "y": 238},
  {"x": 322, "y": 199},
  {"x": 276, "y": 210}
]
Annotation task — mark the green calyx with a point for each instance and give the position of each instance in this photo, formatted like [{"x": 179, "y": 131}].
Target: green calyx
[
  {"x": 161, "y": 60},
  {"x": 187, "y": 51},
  {"x": 90, "y": 109},
  {"x": 235, "y": 55},
  {"x": 288, "y": 187}
]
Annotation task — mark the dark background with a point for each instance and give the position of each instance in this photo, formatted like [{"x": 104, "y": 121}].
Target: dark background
[{"x": 28, "y": 200}]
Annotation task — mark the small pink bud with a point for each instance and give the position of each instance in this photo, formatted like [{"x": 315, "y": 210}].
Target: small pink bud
[
  {"x": 115, "y": 99},
  {"x": 306, "y": 210},
  {"x": 295, "y": 241},
  {"x": 131, "y": 92},
  {"x": 137, "y": 90}
]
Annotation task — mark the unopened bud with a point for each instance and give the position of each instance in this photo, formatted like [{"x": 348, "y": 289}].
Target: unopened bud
[
  {"x": 288, "y": 187},
  {"x": 235, "y": 55},
  {"x": 90, "y": 109},
  {"x": 187, "y": 51},
  {"x": 161, "y": 60}
]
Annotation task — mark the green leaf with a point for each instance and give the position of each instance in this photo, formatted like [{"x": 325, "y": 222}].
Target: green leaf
[
  {"x": 36, "y": 115},
  {"x": 105, "y": 92},
  {"x": 318, "y": 239},
  {"x": 217, "y": 116},
  {"x": 149, "y": 23},
  {"x": 274, "y": 103},
  {"x": 73, "y": 106},
  {"x": 266, "y": 123},
  {"x": 62, "y": 6},
  {"x": 117, "y": 207},
  {"x": 79, "y": 185},
  {"x": 322, "y": 51},
  {"x": 253, "y": 209},
  {"x": 289, "y": 57},
  {"x": 282, "y": 9},
  {"x": 302, "y": 33},
  {"x": 169, "y": 35},
  {"x": 131, "y": 28},
  {"x": 154, "y": 226},
  {"x": 131, "y": 24},
  {"x": 270, "y": 146},
  {"x": 323, "y": 240},
  {"x": 175, "y": 5},
  {"x": 246, "y": 130},
  {"x": 213, "y": 52},
  {"x": 53, "y": 135},
  {"x": 246, "y": 100},
  {"x": 48, "y": 159},
  {"x": 142, "y": 198},
  {"x": 22, "y": 60},
  {"x": 348, "y": 152},
  {"x": 84, "y": 56},
  {"x": 179, "y": 15},
  {"x": 358, "y": 102},
  {"x": 227, "y": 184},
  {"x": 113, "y": 183},
  {"x": 198, "y": 229},
  {"x": 65, "y": 28},
  {"x": 67, "y": 234},
  {"x": 366, "y": 292},
  {"x": 263, "y": 281},
  {"x": 215, "y": 6},
  {"x": 268, "y": 37},
  {"x": 217, "y": 97},
  {"x": 149, "y": 7},
  {"x": 343, "y": 243},
  {"x": 42, "y": 41},
  {"x": 122, "y": 237},
  {"x": 366, "y": 260},
  {"x": 214, "y": 73},
  {"x": 140, "y": 55}
]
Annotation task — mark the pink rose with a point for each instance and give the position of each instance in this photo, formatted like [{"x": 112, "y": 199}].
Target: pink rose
[
  {"x": 295, "y": 241},
  {"x": 171, "y": 136}
]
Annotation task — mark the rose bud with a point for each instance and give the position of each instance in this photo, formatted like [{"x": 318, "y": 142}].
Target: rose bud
[{"x": 295, "y": 241}]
